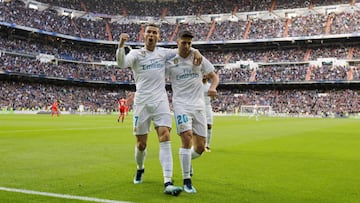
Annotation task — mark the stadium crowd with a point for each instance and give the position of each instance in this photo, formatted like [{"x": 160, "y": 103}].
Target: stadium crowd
[
  {"x": 60, "y": 50},
  {"x": 293, "y": 102},
  {"x": 37, "y": 96},
  {"x": 80, "y": 62},
  {"x": 180, "y": 8},
  {"x": 265, "y": 73},
  {"x": 75, "y": 52},
  {"x": 79, "y": 71},
  {"x": 307, "y": 25}
]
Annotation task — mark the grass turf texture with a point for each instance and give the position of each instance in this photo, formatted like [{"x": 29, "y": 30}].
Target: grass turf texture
[{"x": 270, "y": 160}]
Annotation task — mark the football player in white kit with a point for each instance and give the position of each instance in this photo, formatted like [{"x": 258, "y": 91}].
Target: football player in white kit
[
  {"x": 151, "y": 101},
  {"x": 188, "y": 103},
  {"x": 208, "y": 111}
]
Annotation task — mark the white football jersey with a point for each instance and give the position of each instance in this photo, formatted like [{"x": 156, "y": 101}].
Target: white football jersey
[
  {"x": 149, "y": 72},
  {"x": 186, "y": 80}
]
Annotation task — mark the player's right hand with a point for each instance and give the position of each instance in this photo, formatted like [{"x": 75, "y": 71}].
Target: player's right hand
[{"x": 123, "y": 38}]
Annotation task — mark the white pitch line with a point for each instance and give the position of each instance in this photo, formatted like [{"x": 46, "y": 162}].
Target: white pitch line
[{"x": 64, "y": 196}]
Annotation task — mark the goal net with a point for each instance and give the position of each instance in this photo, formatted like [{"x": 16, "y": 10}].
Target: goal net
[{"x": 256, "y": 110}]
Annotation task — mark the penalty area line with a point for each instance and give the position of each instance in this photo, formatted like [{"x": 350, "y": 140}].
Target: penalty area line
[{"x": 63, "y": 196}]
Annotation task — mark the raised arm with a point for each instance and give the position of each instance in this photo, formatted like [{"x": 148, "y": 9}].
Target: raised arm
[{"x": 120, "y": 52}]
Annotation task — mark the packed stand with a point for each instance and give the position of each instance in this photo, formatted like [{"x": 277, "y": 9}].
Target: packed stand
[
  {"x": 330, "y": 52},
  {"x": 329, "y": 73},
  {"x": 292, "y": 102},
  {"x": 79, "y": 63},
  {"x": 80, "y": 71},
  {"x": 234, "y": 75},
  {"x": 181, "y": 8},
  {"x": 33, "y": 96},
  {"x": 344, "y": 23},
  {"x": 309, "y": 25},
  {"x": 281, "y": 73},
  {"x": 48, "y": 20},
  {"x": 72, "y": 52}
]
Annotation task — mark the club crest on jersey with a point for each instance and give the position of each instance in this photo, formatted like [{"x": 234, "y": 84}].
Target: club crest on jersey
[
  {"x": 182, "y": 127},
  {"x": 176, "y": 61},
  {"x": 143, "y": 53}
]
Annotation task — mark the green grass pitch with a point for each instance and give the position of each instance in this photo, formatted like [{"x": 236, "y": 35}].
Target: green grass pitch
[{"x": 270, "y": 160}]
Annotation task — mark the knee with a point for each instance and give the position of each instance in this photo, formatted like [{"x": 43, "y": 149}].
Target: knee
[
  {"x": 141, "y": 146},
  {"x": 199, "y": 148},
  {"x": 186, "y": 140},
  {"x": 163, "y": 134}
]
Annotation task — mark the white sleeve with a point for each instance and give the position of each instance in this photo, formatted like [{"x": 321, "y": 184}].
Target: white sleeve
[
  {"x": 169, "y": 53},
  {"x": 122, "y": 60},
  {"x": 167, "y": 70},
  {"x": 207, "y": 66},
  {"x": 120, "y": 57}
]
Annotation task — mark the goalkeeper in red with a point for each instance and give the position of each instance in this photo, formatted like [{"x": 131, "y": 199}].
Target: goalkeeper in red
[{"x": 188, "y": 102}]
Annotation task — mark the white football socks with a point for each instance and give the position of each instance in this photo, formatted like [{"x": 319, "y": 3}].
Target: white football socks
[
  {"x": 140, "y": 158},
  {"x": 208, "y": 137},
  {"x": 185, "y": 162},
  {"x": 166, "y": 160},
  {"x": 194, "y": 154}
]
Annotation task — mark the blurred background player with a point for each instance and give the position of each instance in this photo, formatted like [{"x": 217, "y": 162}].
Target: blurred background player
[
  {"x": 255, "y": 113},
  {"x": 81, "y": 109},
  {"x": 208, "y": 111},
  {"x": 188, "y": 103},
  {"x": 55, "y": 109},
  {"x": 122, "y": 108}
]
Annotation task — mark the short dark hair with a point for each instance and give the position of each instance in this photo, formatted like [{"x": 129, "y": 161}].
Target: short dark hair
[
  {"x": 152, "y": 25},
  {"x": 185, "y": 33}
]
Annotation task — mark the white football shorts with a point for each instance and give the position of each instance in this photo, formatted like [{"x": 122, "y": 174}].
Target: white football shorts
[
  {"x": 189, "y": 119},
  {"x": 159, "y": 113}
]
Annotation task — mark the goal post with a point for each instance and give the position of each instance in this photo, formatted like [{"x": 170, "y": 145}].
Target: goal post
[{"x": 256, "y": 110}]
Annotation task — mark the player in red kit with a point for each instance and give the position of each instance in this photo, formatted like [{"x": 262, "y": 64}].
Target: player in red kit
[
  {"x": 55, "y": 109},
  {"x": 122, "y": 107}
]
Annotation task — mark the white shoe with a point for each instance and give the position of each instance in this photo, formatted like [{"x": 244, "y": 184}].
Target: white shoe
[
  {"x": 189, "y": 189},
  {"x": 170, "y": 189}
]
